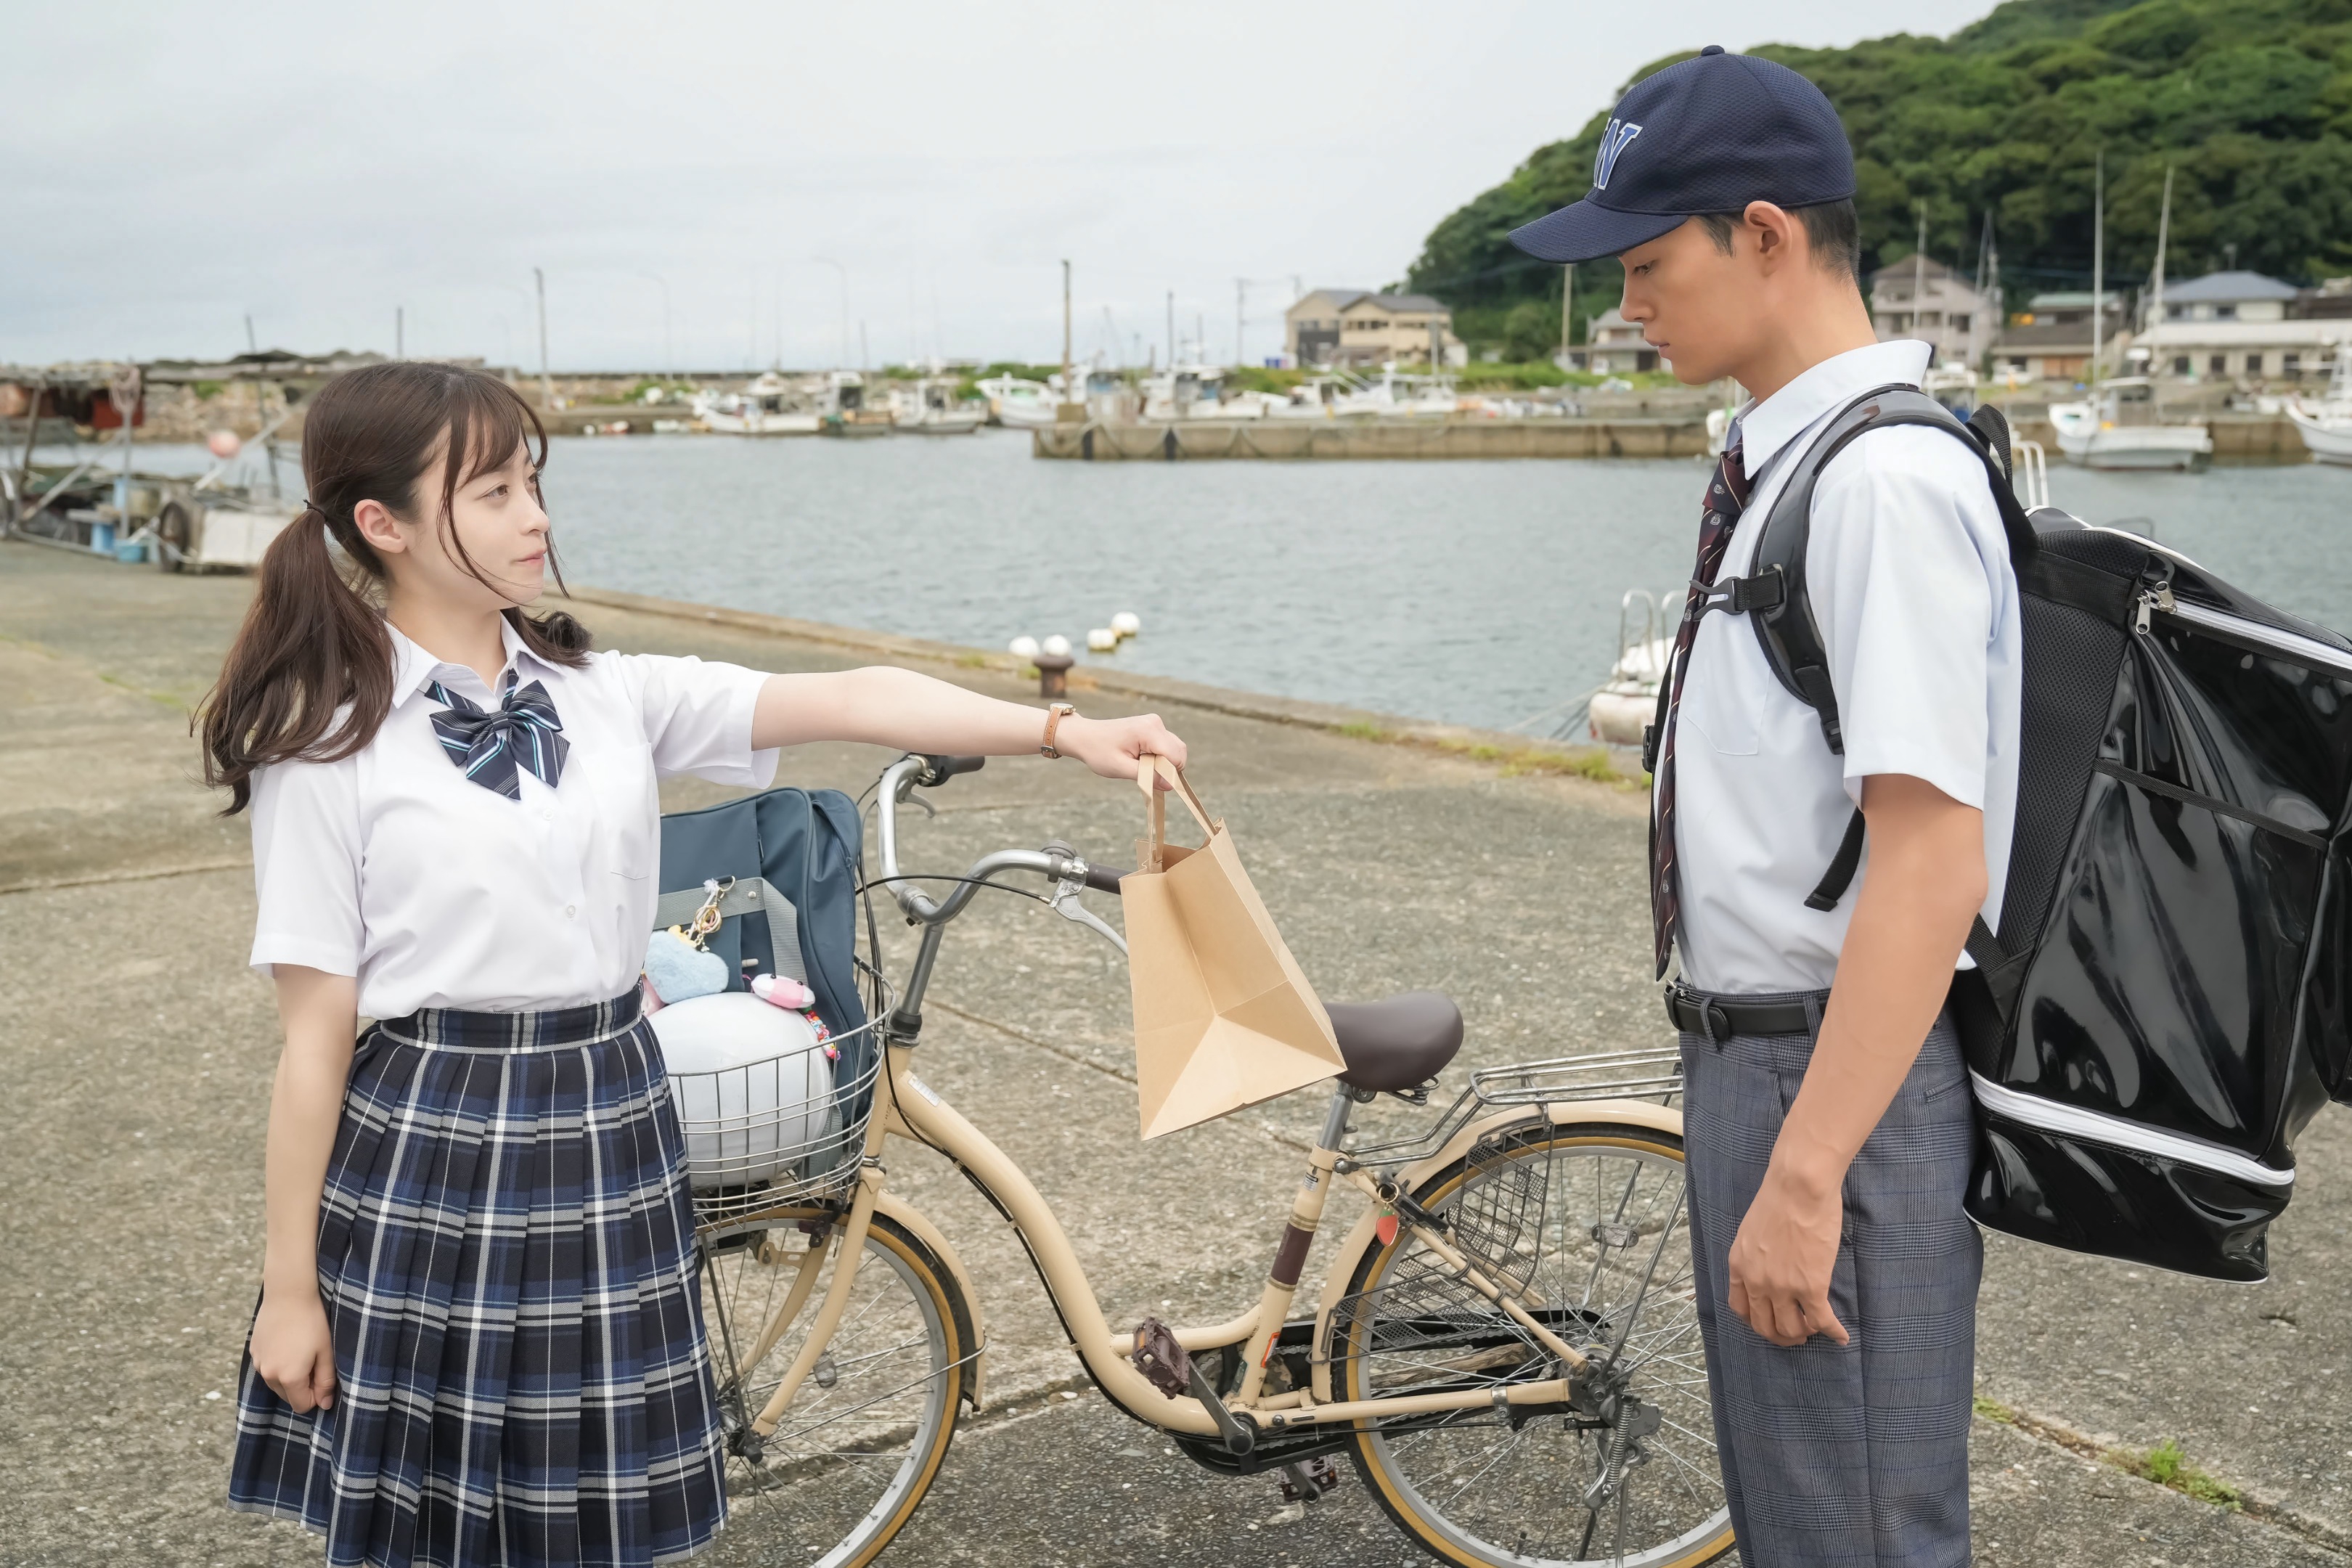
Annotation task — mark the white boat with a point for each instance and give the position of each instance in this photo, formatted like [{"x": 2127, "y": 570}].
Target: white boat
[
  {"x": 842, "y": 410},
  {"x": 2120, "y": 427},
  {"x": 931, "y": 407},
  {"x": 2326, "y": 425},
  {"x": 763, "y": 408},
  {"x": 1199, "y": 392},
  {"x": 1018, "y": 404},
  {"x": 1628, "y": 700},
  {"x": 1399, "y": 395}
]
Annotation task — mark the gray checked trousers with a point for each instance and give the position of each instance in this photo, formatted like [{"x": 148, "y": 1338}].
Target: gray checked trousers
[{"x": 1852, "y": 1456}]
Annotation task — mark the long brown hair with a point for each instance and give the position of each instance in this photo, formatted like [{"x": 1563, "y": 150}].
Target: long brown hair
[{"x": 313, "y": 643}]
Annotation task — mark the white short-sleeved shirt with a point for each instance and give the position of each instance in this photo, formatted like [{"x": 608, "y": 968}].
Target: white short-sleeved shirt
[
  {"x": 392, "y": 866},
  {"x": 1907, "y": 569}
]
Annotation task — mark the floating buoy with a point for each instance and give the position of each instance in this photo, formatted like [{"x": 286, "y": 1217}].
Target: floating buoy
[
  {"x": 1022, "y": 647},
  {"x": 1102, "y": 639},
  {"x": 1057, "y": 644},
  {"x": 1125, "y": 624},
  {"x": 223, "y": 445}
]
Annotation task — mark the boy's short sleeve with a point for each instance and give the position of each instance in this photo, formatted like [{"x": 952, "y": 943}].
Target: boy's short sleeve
[
  {"x": 1902, "y": 569},
  {"x": 306, "y": 867}
]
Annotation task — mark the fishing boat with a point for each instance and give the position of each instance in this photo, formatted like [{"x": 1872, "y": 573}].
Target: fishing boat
[
  {"x": 843, "y": 410},
  {"x": 2326, "y": 425},
  {"x": 1616, "y": 713},
  {"x": 766, "y": 407},
  {"x": 1199, "y": 392},
  {"x": 1017, "y": 404},
  {"x": 931, "y": 407},
  {"x": 2121, "y": 424}
]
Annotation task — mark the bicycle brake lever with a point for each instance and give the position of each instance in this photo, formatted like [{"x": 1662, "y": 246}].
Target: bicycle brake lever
[{"x": 1066, "y": 904}]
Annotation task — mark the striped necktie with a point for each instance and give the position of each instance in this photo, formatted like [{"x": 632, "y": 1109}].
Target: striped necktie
[
  {"x": 1727, "y": 497},
  {"x": 488, "y": 748}
]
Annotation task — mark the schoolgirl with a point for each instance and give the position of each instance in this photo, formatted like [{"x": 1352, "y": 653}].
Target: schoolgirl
[{"x": 479, "y": 1338}]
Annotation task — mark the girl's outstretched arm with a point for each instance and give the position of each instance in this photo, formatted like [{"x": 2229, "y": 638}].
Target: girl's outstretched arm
[
  {"x": 888, "y": 707},
  {"x": 292, "y": 1349}
]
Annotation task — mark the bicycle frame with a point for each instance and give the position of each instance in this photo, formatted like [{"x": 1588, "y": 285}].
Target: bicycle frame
[{"x": 909, "y": 1108}]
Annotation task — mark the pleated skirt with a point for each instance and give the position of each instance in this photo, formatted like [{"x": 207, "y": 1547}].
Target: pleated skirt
[{"x": 506, "y": 1254}]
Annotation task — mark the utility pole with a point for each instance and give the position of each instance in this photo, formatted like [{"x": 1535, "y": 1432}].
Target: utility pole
[
  {"x": 1989, "y": 281},
  {"x": 251, "y": 347},
  {"x": 1241, "y": 295},
  {"x": 546, "y": 387},
  {"x": 864, "y": 361},
  {"x": 1066, "y": 331},
  {"x": 1171, "y": 328},
  {"x": 2098, "y": 263},
  {"x": 1567, "y": 309},
  {"x": 1919, "y": 278},
  {"x": 400, "y": 331},
  {"x": 2155, "y": 313}
]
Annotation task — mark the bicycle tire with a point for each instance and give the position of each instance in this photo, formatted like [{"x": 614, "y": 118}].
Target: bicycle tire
[
  {"x": 763, "y": 1504},
  {"x": 1387, "y": 1278}
]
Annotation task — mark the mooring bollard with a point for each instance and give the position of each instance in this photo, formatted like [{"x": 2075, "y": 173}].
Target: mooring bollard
[{"x": 1052, "y": 674}]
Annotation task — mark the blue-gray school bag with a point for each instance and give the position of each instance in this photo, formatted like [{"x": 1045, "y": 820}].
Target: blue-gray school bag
[
  {"x": 806, "y": 845},
  {"x": 2168, "y": 999}
]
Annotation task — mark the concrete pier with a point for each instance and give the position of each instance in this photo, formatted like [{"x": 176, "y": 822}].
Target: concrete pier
[
  {"x": 1097, "y": 441},
  {"x": 137, "y": 1050}
]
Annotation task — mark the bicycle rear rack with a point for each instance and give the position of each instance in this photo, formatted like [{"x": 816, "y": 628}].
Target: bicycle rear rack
[{"x": 1654, "y": 1073}]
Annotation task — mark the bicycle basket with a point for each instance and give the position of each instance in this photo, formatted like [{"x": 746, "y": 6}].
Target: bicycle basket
[{"x": 772, "y": 1117}]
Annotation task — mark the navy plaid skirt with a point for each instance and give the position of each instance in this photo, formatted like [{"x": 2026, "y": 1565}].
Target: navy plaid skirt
[{"x": 505, "y": 1253}]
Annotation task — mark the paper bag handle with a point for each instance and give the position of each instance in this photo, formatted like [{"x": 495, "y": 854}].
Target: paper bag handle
[{"x": 1149, "y": 768}]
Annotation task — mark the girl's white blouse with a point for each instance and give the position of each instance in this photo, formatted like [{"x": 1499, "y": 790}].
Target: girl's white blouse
[{"x": 392, "y": 866}]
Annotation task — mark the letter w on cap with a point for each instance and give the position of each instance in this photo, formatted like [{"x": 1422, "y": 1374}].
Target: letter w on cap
[{"x": 1614, "y": 141}]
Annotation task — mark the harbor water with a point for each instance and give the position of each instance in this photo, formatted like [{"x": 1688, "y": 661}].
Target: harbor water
[{"x": 1477, "y": 593}]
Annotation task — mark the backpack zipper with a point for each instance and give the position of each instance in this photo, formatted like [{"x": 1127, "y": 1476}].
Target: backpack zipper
[
  {"x": 2157, "y": 596},
  {"x": 2302, "y": 650}
]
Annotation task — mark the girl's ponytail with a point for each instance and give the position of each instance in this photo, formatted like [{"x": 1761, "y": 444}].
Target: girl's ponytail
[{"x": 310, "y": 675}]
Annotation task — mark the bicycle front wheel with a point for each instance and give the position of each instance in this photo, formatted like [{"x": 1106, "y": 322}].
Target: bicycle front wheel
[
  {"x": 865, "y": 1434},
  {"x": 1586, "y": 1226}
]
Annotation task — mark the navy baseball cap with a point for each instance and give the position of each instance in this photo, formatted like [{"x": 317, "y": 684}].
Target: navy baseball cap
[{"x": 1707, "y": 135}]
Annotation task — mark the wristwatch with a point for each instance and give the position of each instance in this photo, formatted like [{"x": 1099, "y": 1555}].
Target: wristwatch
[{"x": 1053, "y": 717}]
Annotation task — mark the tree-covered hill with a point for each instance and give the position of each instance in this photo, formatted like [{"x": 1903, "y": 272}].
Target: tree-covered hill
[{"x": 2250, "y": 99}]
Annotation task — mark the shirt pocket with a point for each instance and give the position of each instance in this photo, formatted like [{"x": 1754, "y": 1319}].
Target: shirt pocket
[{"x": 1727, "y": 687}]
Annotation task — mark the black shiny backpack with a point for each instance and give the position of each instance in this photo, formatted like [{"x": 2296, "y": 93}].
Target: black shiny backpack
[{"x": 2164, "y": 1005}]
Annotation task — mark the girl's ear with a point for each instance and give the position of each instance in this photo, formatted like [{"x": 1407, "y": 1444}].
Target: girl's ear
[{"x": 379, "y": 528}]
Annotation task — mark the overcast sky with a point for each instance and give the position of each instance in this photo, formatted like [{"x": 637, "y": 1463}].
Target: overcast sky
[{"x": 168, "y": 169}]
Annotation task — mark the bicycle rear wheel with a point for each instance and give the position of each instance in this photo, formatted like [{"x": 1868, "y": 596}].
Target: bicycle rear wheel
[
  {"x": 1586, "y": 1223},
  {"x": 865, "y": 1434}
]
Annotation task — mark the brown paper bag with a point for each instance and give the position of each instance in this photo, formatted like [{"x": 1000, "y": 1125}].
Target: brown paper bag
[{"x": 1223, "y": 1017}]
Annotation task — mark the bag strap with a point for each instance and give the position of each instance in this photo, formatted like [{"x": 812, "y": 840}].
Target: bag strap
[{"x": 1150, "y": 770}]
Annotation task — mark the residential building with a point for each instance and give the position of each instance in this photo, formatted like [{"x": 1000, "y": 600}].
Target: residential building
[
  {"x": 2243, "y": 327},
  {"x": 1613, "y": 346},
  {"x": 1948, "y": 312},
  {"x": 1355, "y": 328},
  {"x": 2050, "y": 340}
]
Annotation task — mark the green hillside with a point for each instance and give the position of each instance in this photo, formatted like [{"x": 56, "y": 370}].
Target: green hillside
[{"x": 2250, "y": 99}]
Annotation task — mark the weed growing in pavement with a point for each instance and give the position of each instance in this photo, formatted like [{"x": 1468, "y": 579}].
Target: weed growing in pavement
[{"x": 2167, "y": 1465}]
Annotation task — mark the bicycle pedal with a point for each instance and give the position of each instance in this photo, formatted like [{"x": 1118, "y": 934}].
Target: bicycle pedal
[{"x": 1307, "y": 1481}]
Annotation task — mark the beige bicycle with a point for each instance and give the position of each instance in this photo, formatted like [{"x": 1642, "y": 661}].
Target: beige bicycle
[{"x": 1507, "y": 1346}]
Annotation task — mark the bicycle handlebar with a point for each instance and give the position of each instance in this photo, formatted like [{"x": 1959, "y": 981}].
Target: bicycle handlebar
[{"x": 1056, "y": 861}]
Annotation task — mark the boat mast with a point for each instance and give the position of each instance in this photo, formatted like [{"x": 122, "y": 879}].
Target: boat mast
[
  {"x": 2155, "y": 290},
  {"x": 1066, "y": 331},
  {"x": 2099, "y": 264}
]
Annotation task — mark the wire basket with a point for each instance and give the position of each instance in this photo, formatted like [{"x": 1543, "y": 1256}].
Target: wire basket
[{"x": 782, "y": 1131}]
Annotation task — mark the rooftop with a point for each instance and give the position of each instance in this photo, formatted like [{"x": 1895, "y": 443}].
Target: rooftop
[
  {"x": 1348, "y": 299},
  {"x": 2227, "y": 288}
]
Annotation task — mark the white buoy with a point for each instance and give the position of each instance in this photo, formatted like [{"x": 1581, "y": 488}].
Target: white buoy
[
  {"x": 1125, "y": 624},
  {"x": 1022, "y": 647},
  {"x": 1057, "y": 644},
  {"x": 1102, "y": 639}
]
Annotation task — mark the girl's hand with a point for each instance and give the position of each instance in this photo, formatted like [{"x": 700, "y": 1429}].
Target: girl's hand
[
  {"x": 293, "y": 1350},
  {"x": 1110, "y": 746}
]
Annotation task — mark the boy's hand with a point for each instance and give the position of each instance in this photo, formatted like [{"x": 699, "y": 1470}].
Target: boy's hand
[{"x": 1783, "y": 1257}]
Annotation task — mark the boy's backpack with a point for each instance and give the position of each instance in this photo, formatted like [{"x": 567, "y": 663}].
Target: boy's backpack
[
  {"x": 794, "y": 854},
  {"x": 2168, "y": 999}
]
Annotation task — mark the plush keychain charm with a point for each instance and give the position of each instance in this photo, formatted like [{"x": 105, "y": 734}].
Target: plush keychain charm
[
  {"x": 783, "y": 990},
  {"x": 677, "y": 965}
]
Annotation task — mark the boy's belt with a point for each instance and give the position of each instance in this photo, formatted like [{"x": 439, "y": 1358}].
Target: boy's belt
[{"x": 1720, "y": 1017}]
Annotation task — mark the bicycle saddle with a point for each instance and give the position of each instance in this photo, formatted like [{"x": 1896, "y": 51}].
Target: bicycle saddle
[{"x": 1399, "y": 1043}]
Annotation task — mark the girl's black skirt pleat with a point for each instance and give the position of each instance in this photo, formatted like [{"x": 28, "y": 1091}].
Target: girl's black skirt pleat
[{"x": 505, "y": 1253}]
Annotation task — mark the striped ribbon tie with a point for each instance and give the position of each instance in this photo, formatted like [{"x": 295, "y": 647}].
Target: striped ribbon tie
[{"x": 488, "y": 748}]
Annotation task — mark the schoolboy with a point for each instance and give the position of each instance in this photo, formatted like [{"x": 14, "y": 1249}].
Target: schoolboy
[{"x": 1829, "y": 1123}]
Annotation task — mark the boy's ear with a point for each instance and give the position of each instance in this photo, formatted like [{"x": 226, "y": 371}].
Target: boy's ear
[{"x": 1776, "y": 234}]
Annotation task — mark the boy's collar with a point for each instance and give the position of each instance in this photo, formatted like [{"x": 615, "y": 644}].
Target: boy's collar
[{"x": 1765, "y": 427}]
